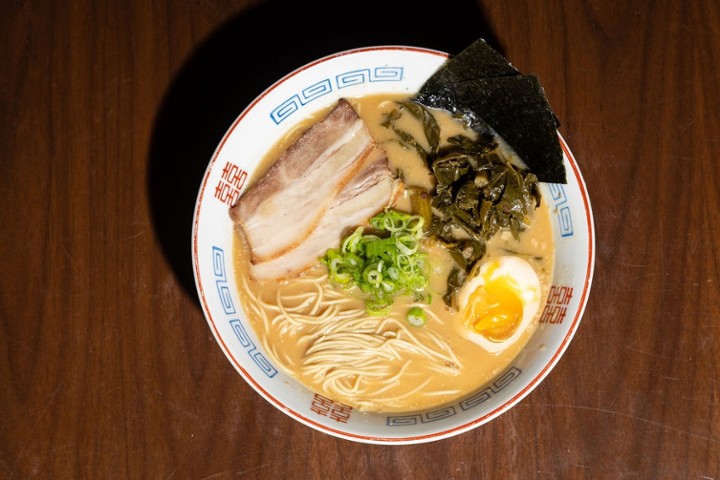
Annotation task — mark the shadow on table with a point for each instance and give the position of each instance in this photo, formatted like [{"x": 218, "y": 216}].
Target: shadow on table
[{"x": 236, "y": 63}]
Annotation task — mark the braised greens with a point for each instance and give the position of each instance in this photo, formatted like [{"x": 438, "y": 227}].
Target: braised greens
[{"x": 477, "y": 192}]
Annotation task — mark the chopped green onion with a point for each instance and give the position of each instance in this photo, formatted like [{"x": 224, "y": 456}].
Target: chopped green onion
[
  {"x": 416, "y": 317},
  {"x": 383, "y": 265}
]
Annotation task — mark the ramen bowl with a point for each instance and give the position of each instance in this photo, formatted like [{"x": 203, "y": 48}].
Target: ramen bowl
[{"x": 274, "y": 113}]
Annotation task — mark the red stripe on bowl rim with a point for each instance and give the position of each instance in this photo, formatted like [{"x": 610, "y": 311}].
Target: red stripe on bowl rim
[{"x": 449, "y": 432}]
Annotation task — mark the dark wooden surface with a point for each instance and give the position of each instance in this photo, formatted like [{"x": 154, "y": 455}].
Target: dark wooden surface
[{"x": 109, "y": 112}]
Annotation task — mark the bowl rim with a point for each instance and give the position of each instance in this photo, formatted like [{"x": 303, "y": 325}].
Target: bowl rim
[{"x": 432, "y": 435}]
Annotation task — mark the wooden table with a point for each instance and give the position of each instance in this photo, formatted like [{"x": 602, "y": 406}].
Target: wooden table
[{"x": 109, "y": 113}]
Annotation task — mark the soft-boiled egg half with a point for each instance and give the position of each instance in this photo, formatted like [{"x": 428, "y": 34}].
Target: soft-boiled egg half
[{"x": 499, "y": 302}]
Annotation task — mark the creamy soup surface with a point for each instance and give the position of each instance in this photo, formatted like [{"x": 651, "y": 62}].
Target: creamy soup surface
[{"x": 321, "y": 336}]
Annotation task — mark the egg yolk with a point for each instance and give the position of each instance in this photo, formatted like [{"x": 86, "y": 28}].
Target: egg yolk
[{"x": 494, "y": 310}]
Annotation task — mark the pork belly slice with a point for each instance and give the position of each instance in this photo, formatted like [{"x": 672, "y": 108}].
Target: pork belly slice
[
  {"x": 370, "y": 191},
  {"x": 285, "y": 205}
]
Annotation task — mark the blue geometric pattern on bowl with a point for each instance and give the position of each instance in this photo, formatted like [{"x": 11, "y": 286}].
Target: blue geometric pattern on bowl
[
  {"x": 342, "y": 80},
  {"x": 218, "y": 257},
  {"x": 557, "y": 191},
  {"x": 257, "y": 356},
  {"x": 473, "y": 401},
  {"x": 219, "y": 270},
  {"x": 503, "y": 381}
]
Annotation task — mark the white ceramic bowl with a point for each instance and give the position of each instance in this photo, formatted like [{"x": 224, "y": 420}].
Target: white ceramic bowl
[{"x": 383, "y": 69}]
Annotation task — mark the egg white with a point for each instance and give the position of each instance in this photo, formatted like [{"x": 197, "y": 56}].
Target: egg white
[{"x": 525, "y": 284}]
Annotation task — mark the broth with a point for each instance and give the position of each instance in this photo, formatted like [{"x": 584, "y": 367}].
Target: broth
[{"x": 322, "y": 336}]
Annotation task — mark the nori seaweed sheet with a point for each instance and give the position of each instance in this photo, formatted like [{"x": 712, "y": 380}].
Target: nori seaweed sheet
[{"x": 483, "y": 85}]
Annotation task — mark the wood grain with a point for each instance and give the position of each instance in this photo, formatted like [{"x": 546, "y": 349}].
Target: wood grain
[{"x": 109, "y": 113}]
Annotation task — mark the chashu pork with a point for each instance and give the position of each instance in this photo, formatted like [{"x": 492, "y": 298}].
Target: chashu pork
[
  {"x": 373, "y": 188},
  {"x": 332, "y": 178},
  {"x": 281, "y": 209}
]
